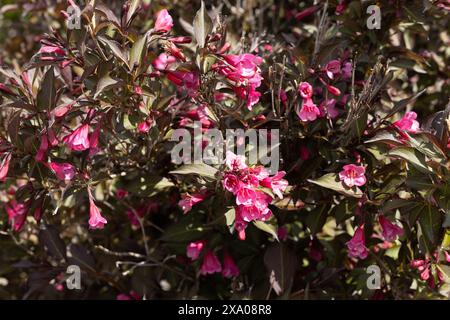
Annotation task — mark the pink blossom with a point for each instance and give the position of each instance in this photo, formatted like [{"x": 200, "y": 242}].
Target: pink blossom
[
  {"x": 353, "y": 175},
  {"x": 282, "y": 233},
  {"x": 356, "y": 246},
  {"x": 230, "y": 269},
  {"x": 132, "y": 296},
  {"x": 78, "y": 140},
  {"x": 346, "y": 71},
  {"x": 276, "y": 183},
  {"x": 230, "y": 182},
  {"x": 390, "y": 230},
  {"x": 245, "y": 196},
  {"x": 187, "y": 200},
  {"x": 163, "y": 61},
  {"x": 163, "y": 22},
  {"x": 333, "y": 68},
  {"x": 121, "y": 193},
  {"x": 305, "y": 90},
  {"x": 340, "y": 8},
  {"x": 235, "y": 162},
  {"x": 329, "y": 107},
  {"x": 185, "y": 81},
  {"x": 17, "y": 213},
  {"x": 447, "y": 256},
  {"x": 43, "y": 147},
  {"x": 211, "y": 264},
  {"x": 144, "y": 126},
  {"x": 194, "y": 249},
  {"x": 64, "y": 171},
  {"x": 408, "y": 122},
  {"x": 96, "y": 220},
  {"x": 283, "y": 97},
  {"x": 309, "y": 111},
  {"x": 4, "y": 167}
]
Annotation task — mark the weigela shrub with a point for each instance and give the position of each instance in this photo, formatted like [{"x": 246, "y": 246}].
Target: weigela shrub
[{"x": 88, "y": 117}]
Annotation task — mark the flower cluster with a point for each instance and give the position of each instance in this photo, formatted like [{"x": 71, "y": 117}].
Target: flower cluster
[{"x": 247, "y": 185}]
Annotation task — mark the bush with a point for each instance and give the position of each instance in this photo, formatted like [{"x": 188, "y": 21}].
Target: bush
[{"x": 92, "y": 113}]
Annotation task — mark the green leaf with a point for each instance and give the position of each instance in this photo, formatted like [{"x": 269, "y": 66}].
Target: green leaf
[
  {"x": 104, "y": 83},
  {"x": 202, "y": 26},
  {"x": 200, "y": 169},
  {"x": 266, "y": 227},
  {"x": 46, "y": 97},
  {"x": 134, "y": 5},
  {"x": 331, "y": 181},
  {"x": 316, "y": 219},
  {"x": 412, "y": 156},
  {"x": 430, "y": 220},
  {"x": 116, "y": 50},
  {"x": 137, "y": 51}
]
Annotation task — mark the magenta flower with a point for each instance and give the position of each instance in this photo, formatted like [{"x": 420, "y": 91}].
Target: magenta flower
[
  {"x": 211, "y": 264},
  {"x": 78, "y": 140},
  {"x": 194, "y": 249},
  {"x": 353, "y": 175},
  {"x": 230, "y": 269},
  {"x": 230, "y": 182},
  {"x": 163, "y": 61},
  {"x": 333, "y": 68},
  {"x": 346, "y": 71},
  {"x": 356, "y": 246},
  {"x": 235, "y": 162},
  {"x": 17, "y": 213},
  {"x": 309, "y": 111},
  {"x": 163, "y": 22},
  {"x": 305, "y": 90},
  {"x": 390, "y": 231},
  {"x": 276, "y": 183},
  {"x": 4, "y": 167},
  {"x": 96, "y": 220},
  {"x": 64, "y": 171},
  {"x": 408, "y": 122},
  {"x": 187, "y": 200}
]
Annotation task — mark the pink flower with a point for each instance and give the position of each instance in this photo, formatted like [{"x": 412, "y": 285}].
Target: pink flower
[
  {"x": 185, "y": 81},
  {"x": 43, "y": 147},
  {"x": 230, "y": 182},
  {"x": 187, "y": 200},
  {"x": 163, "y": 61},
  {"x": 194, "y": 249},
  {"x": 333, "y": 68},
  {"x": 353, "y": 175},
  {"x": 78, "y": 140},
  {"x": 346, "y": 71},
  {"x": 4, "y": 167},
  {"x": 144, "y": 126},
  {"x": 245, "y": 196},
  {"x": 17, "y": 213},
  {"x": 244, "y": 71},
  {"x": 305, "y": 90},
  {"x": 211, "y": 264},
  {"x": 121, "y": 193},
  {"x": 230, "y": 269},
  {"x": 132, "y": 296},
  {"x": 276, "y": 183},
  {"x": 340, "y": 8},
  {"x": 309, "y": 111},
  {"x": 96, "y": 220},
  {"x": 64, "y": 171},
  {"x": 329, "y": 107},
  {"x": 282, "y": 233},
  {"x": 163, "y": 22},
  {"x": 283, "y": 97},
  {"x": 356, "y": 246},
  {"x": 235, "y": 162},
  {"x": 408, "y": 122},
  {"x": 447, "y": 256},
  {"x": 390, "y": 230}
]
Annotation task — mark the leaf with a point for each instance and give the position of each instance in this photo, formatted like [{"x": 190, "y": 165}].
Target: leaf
[
  {"x": 104, "y": 83},
  {"x": 430, "y": 223},
  {"x": 115, "y": 48},
  {"x": 202, "y": 26},
  {"x": 134, "y": 5},
  {"x": 188, "y": 228},
  {"x": 201, "y": 169},
  {"x": 385, "y": 137},
  {"x": 137, "y": 51},
  {"x": 281, "y": 263},
  {"x": 80, "y": 256},
  {"x": 49, "y": 238},
  {"x": 412, "y": 156},
  {"x": 331, "y": 181},
  {"x": 46, "y": 97},
  {"x": 266, "y": 227},
  {"x": 230, "y": 216},
  {"x": 400, "y": 105},
  {"x": 108, "y": 13},
  {"x": 316, "y": 219}
]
